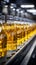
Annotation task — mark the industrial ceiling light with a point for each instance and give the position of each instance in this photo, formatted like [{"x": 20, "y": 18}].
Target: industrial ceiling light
[
  {"x": 21, "y": 11},
  {"x": 27, "y": 6},
  {"x": 33, "y": 11},
  {"x": 17, "y": 10},
  {"x": 13, "y": 9},
  {"x": 11, "y": 6}
]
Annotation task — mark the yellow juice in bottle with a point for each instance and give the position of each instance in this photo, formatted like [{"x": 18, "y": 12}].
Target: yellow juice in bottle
[{"x": 3, "y": 43}]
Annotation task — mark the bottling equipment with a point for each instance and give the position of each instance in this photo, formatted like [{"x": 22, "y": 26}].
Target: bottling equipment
[
  {"x": 10, "y": 31},
  {"x": 15, "y": 29},
  {"x": 17, "y": 33},
  {"x": 3, "y": 38},
  {"x": 3, "y": 43}
]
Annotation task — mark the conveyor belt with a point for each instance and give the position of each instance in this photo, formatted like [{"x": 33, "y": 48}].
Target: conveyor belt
[
  {"x": 32, "y": 60},
  {"x": 22, "y": 57},
  {"x": 29, "y": 54}
]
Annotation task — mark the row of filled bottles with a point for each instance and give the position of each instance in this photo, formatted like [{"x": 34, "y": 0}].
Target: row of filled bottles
[{"x": 13, "y": 35}]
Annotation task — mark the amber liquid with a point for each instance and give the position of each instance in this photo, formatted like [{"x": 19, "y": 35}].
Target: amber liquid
[{"x": 3, "y": 43}]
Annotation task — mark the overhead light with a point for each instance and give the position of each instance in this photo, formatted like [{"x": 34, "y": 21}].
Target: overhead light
[
  {"x": 21, "y": 11},
  {"x": 13, "y": 9},
  {"x": 27, "y": 6},
  {"x": 33, "y": 11},
  {"x": 17, "y": 10},
  {"x": 6, "y": 5},
  {"x": 11, "y": 6}
]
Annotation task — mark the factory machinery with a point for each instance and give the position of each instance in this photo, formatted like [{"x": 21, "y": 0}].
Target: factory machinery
[
  {"x": 13, "y": 36},
  {"x": 26, "y": 56}
]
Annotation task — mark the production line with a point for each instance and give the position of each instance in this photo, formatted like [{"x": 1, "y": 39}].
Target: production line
[
  {"x": 17, "y": 32},
  {"x": 26, "y": 55},
  {"x": 13, "y": 36}
]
